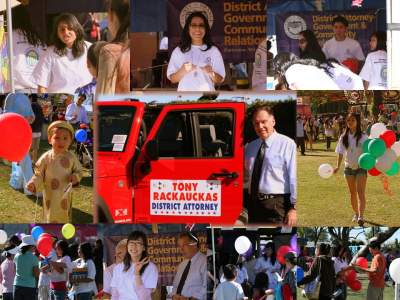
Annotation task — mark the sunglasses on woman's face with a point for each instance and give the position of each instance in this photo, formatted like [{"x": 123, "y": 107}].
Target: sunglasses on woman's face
[{"x": 197, "y": 26}]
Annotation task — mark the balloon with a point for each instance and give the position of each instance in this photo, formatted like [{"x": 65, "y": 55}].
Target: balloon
[
  {"x": 366, "y": 161},
  {"x": 350, "y": 276},
  {"x": 36, "y": 232},
  {"x": 374, "y": 172},
  {"x": 3, "y": 236},
  {"x": 45, "y": 245},
  {"x": 299, "y": 273},
  {"x": 81, "y": 135},
  {"x": 355, "y": 285},
  {"x": 325, "y": 171},
  {"x": 396, "y": 148},
  {"x": 394, "y": 169},
  {"x": 377, "y": 147},
  {"x": 365, "y": 145},
  {"x": 16, "y": 136},
  {"x": 385, "y": 162},
  {"x": 394, "y": 270},
  {"x": 282, "y": 251},
  {"x": 376, "y": 130},
  {"x": 45, "y": 234},
  {"x": 68, "y": 231},
  {"x": 362, "y": 262},
  {"x": 381, "y": 106},
  {"x": 389, "y": 137}
]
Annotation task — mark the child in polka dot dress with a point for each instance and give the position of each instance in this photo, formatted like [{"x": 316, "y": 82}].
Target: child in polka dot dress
[{"x": 54, "y": 171}]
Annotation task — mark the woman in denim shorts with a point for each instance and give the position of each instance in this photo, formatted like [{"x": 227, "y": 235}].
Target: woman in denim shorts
[{"x": 349, "y": 147}]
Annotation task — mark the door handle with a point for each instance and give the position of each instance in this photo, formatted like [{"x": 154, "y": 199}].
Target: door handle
[{"x": 232, "y": 175}]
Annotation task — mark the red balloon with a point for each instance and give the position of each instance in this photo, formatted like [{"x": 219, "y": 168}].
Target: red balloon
[
  {"x": 362, "y": 262},
  {"x": 350, "y": 276},
  {"x": 16, "y": 136},
  {"x": 45, "y": 245},
  {"x": 374, "y": 172},
  {"x": 389, "y": 137},
  {"x": 280, "y": 254},
  {"x": 355, "y": 285}
]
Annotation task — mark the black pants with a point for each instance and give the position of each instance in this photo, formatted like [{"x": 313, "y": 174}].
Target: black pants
[
  {"x": 24, "y": 293},
  {"x": 328, "y": 142},
  {"x": 270, "y": 211},
  {"x": 300, "y": 143}
]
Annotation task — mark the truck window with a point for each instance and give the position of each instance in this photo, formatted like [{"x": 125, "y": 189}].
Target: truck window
[
  {"x": 114, "y": 126},
  {"x": 216, "y": 129},
  {"x": 174, "y": 138}
]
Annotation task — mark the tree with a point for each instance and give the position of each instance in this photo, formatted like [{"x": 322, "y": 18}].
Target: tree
[{"x": 313, "y": 234}]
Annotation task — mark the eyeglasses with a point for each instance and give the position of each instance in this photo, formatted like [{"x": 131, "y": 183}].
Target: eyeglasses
[
  {"x": 197, "y": 26},
  {"x": 135, "y": 243}
]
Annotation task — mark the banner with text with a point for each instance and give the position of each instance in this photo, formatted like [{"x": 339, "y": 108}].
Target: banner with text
[
  {"x": 361, "y": 25},
  {"x": 237, "y": 27}
]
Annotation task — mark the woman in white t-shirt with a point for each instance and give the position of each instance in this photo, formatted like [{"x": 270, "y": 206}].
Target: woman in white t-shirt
[
  {"x": 120, "y": 252},
  {"x": 28, "y": 47},
  {"x": 309, "y": 74},
  {"x": 269, "y": 264},
  {"x": 196, "y": 64},
  {"x": 62, "y": 68},
  {"x": 374, "y": 71},
  {"x": 349, "y": 147},
  {"x": 84, "y": 287},
  {"x": 341, "y": 265},
  {"x": 60, "y": 269},
  {"x": 136, "y": 277}
]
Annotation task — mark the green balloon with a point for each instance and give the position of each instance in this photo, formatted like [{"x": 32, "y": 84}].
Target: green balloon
[
  {"x": 365, "y": 145},
  {"x": 394, "y": 169},
  {"x": 366, "y": 161},
  {"x": 377, "y": 147}
]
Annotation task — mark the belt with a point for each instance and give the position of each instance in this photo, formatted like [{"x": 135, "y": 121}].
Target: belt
[{"x": 262, "y": 196}]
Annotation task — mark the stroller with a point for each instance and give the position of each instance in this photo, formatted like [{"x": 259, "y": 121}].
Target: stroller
[{"x": 84, "y": 147}]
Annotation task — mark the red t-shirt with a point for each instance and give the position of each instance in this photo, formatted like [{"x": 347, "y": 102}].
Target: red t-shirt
[{"x": 377, "y": 278}]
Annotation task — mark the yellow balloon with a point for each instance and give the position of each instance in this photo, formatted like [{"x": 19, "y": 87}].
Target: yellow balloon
[{"x": 68, "y": 231}]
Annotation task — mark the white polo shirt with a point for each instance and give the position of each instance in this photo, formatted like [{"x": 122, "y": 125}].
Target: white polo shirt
[{"x": 375, "y": 70}]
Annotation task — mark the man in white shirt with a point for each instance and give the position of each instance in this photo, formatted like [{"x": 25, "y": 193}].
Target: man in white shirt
[
  {"x": 270, "y": 163},
  {"x": 76, "y": 113},
  {"x": 340, "y": 46},
  {"x": 190, "y": 281}
]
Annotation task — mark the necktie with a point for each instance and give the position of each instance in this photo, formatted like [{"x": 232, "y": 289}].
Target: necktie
[
  {"x": 183, "y": 279},
  {"x": 257, "y": 168}
]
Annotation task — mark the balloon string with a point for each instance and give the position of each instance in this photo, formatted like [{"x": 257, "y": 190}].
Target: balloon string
[
  {"x": 385, "y": 184},
  {"x": 36, "y": 205}
]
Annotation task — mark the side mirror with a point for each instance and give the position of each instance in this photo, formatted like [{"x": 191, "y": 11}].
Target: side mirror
[{"x": 152, "y": 149}]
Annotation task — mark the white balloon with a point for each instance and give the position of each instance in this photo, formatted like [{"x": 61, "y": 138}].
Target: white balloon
[
  {"x": 394, "y": 270},
  {"x": 386, "y": 161},
  {"x": 242, "y": 244},
  {"x": 3, "y": 236},
  {"x": 376, "y": 130},
  {"x": 396, "y": 148},
  {"x": 325, "y": 171}
]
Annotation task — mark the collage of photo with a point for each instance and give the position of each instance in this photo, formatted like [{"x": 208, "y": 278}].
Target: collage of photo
[{"x": 199, "y": 150}]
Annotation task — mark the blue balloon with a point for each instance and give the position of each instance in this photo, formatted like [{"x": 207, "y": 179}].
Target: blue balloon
[
  {"x": 299, "y": 273},
  {"x": 81, "y": 135},
  {"x": 36, "y": 232}
]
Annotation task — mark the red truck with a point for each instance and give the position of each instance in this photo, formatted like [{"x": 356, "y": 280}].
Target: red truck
[{"x": 170, "y": 163}]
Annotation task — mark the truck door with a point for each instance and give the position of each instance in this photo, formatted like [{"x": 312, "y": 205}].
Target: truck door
[
  {"x": 190, "y": 169},
  {"x": 119, "y": 133}
]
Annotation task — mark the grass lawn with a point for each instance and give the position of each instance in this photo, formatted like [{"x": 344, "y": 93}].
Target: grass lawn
[
  {"x": 326, "y": 202},
  {"x": 362, "y": 294},
  {"x": 15, "y": 207}
]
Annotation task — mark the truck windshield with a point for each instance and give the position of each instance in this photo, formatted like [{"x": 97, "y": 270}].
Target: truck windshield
[{"x": 114, "y": 126}]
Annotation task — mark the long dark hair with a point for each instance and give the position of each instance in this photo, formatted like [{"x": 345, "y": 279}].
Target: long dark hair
[
  {"x": 381, "y": 40},
  {"x": 285, "y": 60},
  {"x": 86, "y": 250},
  {"x": 313, "y": 49},
  {"x": 186, "y": 40},
  {"x": 21, "y": 22},
  {"x": 78, "y": 48},
  {"x": 121, "y": 9},
  {"x": 63, "y": 245},
  {"x": 134, "y": 236},
  {"x": 357, "y": 134},
  {"x": 270, "y": 245}
]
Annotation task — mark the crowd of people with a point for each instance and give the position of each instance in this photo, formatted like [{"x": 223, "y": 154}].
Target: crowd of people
[
  {"x": 67, "y": 62},
  {"x": 69, "y": 271},
  {"x": 261, "y": 278},
  {"x": 339, "y": 64}
]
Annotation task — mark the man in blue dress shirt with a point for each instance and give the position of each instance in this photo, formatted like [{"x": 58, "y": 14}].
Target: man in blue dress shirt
[{"x": 270, "y": 163}]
